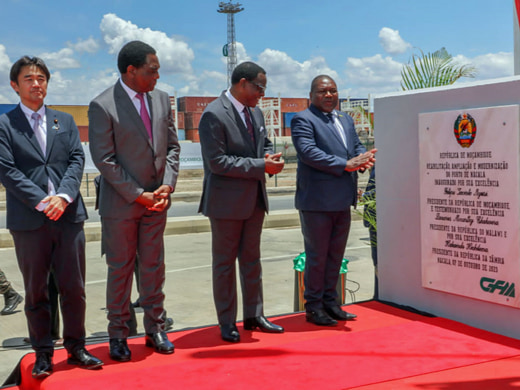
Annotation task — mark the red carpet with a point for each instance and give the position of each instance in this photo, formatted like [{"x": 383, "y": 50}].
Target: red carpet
[{"x": 385, "y": 348}]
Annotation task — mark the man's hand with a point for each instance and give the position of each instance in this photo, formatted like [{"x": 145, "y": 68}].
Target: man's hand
[
  {"x": 273, "y": 163},
  {"x": 162, "y": 197},
  {"x": 55, "y": 208},
  {"x": 363, "y": 161}
]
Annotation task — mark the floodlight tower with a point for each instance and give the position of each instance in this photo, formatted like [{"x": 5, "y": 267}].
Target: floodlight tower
[{"x": 230, "y": 48}]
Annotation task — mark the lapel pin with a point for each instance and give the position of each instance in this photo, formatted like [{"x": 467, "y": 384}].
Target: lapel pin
[{"x": 56, "y": 125}]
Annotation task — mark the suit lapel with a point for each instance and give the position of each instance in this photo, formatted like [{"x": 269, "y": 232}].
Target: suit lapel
[
  {"x": 128, "y": 106},
  {"x": 22, "y": 125},
  {"x": 237, "y": 119},
  {"x": 53, "y": 127}
]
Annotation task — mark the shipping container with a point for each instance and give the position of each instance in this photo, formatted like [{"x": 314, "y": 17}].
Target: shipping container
[
  {"x": 193, "y": 135},
  {"x": 83, "y": 133},
  {"x": 180, "y": 120},
  {"x": 191, "y": 120},
  {"x": 79, "y": 113},
  {"x": 294, "y": 104},
  {"x": 194, "y": 103},
  {"x": 6, "y": 108},
  {"x": 287, "y": 117}
]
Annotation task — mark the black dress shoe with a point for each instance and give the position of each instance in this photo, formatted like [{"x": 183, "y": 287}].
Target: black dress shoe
[
  {"x": 159, "y": 341},
  {"x": 263, "y": 324},
  {"x": 42, "y": 366},
  {"x": 119, "y": 350},
  {"x": 81, "y": 357},
  {"x": 229, "y": 332},
  {"x": 338, "y": 314},
  {"x": 320, "y": 317},
  {"x": 12, "y": 300}
]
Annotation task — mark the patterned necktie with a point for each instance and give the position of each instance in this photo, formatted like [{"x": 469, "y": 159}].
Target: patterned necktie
[
  {"x": 249, "y": 124},
  {"x": 144, "y": 115},
  {"x": 37, "y": 133}
]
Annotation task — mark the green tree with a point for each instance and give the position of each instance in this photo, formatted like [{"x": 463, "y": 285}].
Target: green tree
[{"x": 433, "y": 70}]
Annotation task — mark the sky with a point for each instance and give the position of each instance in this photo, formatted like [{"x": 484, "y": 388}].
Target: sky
[{"x": 362, "y": 45}]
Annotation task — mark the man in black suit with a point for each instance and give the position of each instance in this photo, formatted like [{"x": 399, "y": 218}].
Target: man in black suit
[
  {"x": 237, "y": 154},
  {"x": 329, "y": 154},
  {"x": 41, "y": 167}
]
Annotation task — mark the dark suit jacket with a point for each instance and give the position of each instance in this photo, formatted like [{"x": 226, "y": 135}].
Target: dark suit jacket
[
  {"x": 124, "y": 154},
  {"x": 322, "y": 184},
  {"x": 24, "y": 171},
  {"x": 234, "y": 168}
]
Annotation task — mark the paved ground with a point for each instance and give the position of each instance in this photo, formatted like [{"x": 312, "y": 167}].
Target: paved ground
[{"x": 188, "y": 277}]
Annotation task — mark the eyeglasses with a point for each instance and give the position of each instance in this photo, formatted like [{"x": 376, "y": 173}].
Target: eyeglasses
[{"x": 260, "y": 88}]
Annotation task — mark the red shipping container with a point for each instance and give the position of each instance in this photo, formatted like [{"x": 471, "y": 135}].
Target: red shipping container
[
  {"x": 191, "y": 120},
  {"x": 294, "y": 104},
  {"x": 194, "y": 103},
  {"x": 83, "y": 133},
  {"x": 180, "y": 120},
  {"x": 193, "y": 135}
]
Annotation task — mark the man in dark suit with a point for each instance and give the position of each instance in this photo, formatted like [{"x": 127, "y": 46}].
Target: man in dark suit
[
  {"x": 329, "y": 154},
  {"x": 41, "y": 167},
  {"x": 134, "y": 145},
  {"x": 237, "y": 154}
]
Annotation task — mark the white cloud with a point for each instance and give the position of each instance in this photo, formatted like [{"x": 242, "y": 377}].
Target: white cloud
[
  {"x": 374, "y": 74},
  {"x": 289, "y": 77},
  {"x": 62, "y": 59},
  {"x": 81, "y": 90},
  {"x": 89, "y": 45},
  {"x": 490, "y": 66},
  {"x": 392, "y": 42},
  {"x": 5, "y": 66},
  {"x": 175, "y": 56}
]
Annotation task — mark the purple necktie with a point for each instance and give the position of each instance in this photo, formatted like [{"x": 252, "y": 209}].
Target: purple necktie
[
  {"x": 144, "y": 115},
  {"x": 249, "y": 124}
]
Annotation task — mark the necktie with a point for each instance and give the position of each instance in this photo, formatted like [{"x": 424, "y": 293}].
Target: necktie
[
  {"x": 38, "y": 133},
  {"x": 249, "y": 124},
  {"x": 338, "y": 128},
  {"x": 144, "y": 115}
]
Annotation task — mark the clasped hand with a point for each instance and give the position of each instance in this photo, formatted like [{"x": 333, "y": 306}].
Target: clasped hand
[
  {"x": 157, "y": 200},
  {"x": 55, "y": 208},
  {"x": 274, "y": 163}
]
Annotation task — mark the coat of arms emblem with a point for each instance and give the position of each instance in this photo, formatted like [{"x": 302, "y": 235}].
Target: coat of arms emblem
[{"x": 465, "y": 130}]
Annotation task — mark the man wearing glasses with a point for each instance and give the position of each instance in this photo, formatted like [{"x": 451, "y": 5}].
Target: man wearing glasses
[{"x": 237, "y": 154}]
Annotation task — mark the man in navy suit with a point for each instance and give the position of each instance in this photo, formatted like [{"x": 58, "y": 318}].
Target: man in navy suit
[
  {"x": 237, "y": 154},
  {"x": 41, "y": 167},
  {"x": 329, "y": 154}
]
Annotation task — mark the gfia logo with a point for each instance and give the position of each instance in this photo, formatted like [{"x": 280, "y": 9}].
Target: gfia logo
[
  {"x": 491, "y": 285},
  {"x": 465, "y": 130}
]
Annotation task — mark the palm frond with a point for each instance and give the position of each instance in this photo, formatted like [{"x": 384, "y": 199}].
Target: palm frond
[{"x": 433, "y": 70}]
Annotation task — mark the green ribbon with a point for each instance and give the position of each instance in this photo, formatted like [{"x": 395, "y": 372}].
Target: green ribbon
[{"x": 299, "y": 264}]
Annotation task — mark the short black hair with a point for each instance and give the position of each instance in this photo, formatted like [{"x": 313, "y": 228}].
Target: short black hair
[
  {"x": 246, "y": 70},
  {"x": 133, "y": 53},
  {"x": 317, "y": 79},
  {"x": 28, "y": 61}
]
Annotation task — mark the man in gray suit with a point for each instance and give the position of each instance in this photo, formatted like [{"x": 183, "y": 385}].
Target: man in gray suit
[
  {"x": 134, "y": 145},
  {"x": 237, "y": 154},
  {"x": 329, "y": 155},
  {"x": 41, "y": 167}
]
